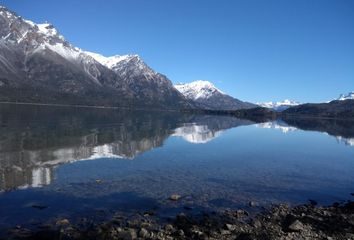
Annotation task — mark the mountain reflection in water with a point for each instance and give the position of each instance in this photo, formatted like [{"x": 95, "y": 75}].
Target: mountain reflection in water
[
  {"x": 34, "y": 140},
  {"x": 330, "y": 126}
]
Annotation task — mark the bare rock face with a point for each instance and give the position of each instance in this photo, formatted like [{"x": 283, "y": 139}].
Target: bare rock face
[{"x": 37, "y": 64}]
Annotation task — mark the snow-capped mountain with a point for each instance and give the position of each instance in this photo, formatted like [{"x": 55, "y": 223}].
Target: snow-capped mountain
[
  {"x": 25, "y": 39},
  {"x": 37, "y": 64},
  {"x": 140, "y": 78},
  {"x": 206, "y": 95},
  {"x": 346, "y": 96},
  {"x": 279, "y": 106},
  {"x": 198, "y": 90}
]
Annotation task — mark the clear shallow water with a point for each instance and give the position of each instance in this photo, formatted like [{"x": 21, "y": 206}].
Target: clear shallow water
[{"x": 93, "y": 162}]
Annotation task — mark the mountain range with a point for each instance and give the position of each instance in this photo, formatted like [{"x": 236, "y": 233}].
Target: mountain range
[
  {"x": 37, "y": 64},
  {"x": 283, "y": 105},
  {"x": 279, "y": 106}
]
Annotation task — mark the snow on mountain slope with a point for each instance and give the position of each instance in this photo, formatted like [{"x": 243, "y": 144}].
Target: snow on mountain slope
[
  {"x": 199, "y": 89},
  {"x": 208, "y": 96},
  {"x": 127, "y": 66},
  {"x": 38, "y": 56},
  {"x": 47, "y": 29},
  {"x": 29, "y": 39},
  {"x": 109, "y": 62},
  {"x": 279, "y": 106},
  {"x": 342, "y": 97}
]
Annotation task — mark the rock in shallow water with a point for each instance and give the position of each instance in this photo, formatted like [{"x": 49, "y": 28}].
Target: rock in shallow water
[
  {"x": 252, "y": 204},
  {"x": 175, "y": 197}
]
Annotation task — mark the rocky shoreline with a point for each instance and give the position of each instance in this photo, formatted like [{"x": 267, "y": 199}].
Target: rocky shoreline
[{"x": 280, "y": 222}]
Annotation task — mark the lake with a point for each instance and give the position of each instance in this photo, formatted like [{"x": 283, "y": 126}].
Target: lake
[{"x": 63, "y": 162}]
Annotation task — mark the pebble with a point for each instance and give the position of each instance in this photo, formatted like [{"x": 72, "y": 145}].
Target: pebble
[
  {"x": 143, "y": 233},
  {"x": 252, "y": 204},
  {"x": 256, "y": 223},
  {"x": 169, "y": 228},
  {"x": 180, "y": 232},
  {"x": 296, "y": 226},
  {"x": 230, "y": 227},
  {"x": 225, "y": 232},
  {"x": 62, "y": 222}
]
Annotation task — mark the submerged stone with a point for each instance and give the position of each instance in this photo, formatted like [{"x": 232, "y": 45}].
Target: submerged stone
[
  {"x": 62, "y": 222},
  {"x": 175, "y": 197}
]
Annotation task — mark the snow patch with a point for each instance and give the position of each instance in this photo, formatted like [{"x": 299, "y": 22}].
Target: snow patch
[
  {"x": 66, "y": 52},
  {"x": 343, "y": 97},
  {"x": 30, "y": 23},
  {"x": 110, "y": 62},
  {"x": 49, "y": 30}
]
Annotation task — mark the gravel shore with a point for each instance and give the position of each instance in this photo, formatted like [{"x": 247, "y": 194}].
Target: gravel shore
[{"x": 280, "y": 222}]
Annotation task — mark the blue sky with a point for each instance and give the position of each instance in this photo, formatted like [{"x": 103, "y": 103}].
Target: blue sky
[{"x": 255, "y": 50}]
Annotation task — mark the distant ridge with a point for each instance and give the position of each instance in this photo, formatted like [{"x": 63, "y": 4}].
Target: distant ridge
[{"x": 279, "y": 106}]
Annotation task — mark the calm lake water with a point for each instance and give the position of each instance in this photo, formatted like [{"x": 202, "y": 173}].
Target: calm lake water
[{"x": 84, "y": 162}]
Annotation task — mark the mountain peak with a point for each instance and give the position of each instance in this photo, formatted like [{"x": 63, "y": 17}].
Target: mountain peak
[
  {"x": 5, "y": 9},
  {"x": 111, "y": 61},
  {"x": 49, "y": 30},
  {"x": 15, "y": 28},
  {"x": 200, "y": 89},
  {"x": 8, "y": 14},
  {"x": 206, "y": 95}
]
